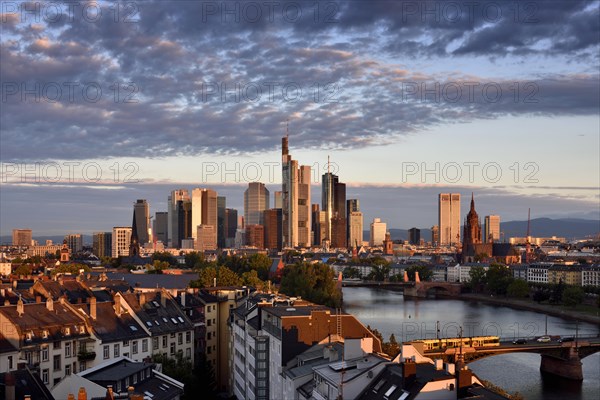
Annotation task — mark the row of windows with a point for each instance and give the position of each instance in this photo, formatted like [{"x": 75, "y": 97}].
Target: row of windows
[{"x": 134, "y": 345}]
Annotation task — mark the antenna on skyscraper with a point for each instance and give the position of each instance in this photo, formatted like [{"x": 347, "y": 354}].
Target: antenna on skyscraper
[
  {"x": 328, "y": 165},
  {"x": 287, "y": 128}
]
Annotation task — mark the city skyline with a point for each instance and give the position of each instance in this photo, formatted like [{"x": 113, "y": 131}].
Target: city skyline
[{"x": 516, "y": 120}]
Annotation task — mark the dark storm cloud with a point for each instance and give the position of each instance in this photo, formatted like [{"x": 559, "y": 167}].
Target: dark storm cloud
[{"x": 169, "y": 61}]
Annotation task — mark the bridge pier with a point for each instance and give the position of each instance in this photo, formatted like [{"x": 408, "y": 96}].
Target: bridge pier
[{"x": 568, "y": 367}]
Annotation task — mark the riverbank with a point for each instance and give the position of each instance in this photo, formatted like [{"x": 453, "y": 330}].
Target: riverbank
[{"x": 556, "y": 311}]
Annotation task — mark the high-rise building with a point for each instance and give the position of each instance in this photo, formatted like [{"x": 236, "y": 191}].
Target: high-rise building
[
  {"x": 435, "y": 235},
  {"x": 295, "y": 197},
  {"x": 204, "y": 211},
  {"x": 355, "y": 229},
  {"x": 161, "y": 224},
  {"x": 141, "y": 211},
  {"x": 231, "y": 224},
  {"x": 318, "y": 225},
  {"x": 255, "y": 236},
  {"x": 74, "y": 242},
  {"x": 449, "y": 218},
  {"x": 206, "y": 238},
  {"x": 414, "y": 236},
  {"x": 221, "y": 233},
  {"x": 333, "y": 202},
  {"x": 121, "y": 240},
  {"x": 492, "y": 228},
  {"x": 273, "y": 234},
  {"x": 174, "y": 238},
  {"x": 352, "y": 205},
  {"x": 22, "y": 237},
  {"x": 102, "y": 244},
  {"x": 277, "y": 202},
  {"x": 378, "y": 230},
  {"x": 256, "y": 200}
]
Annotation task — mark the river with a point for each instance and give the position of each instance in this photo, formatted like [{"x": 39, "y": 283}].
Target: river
[{"x": 410, "y": 319}]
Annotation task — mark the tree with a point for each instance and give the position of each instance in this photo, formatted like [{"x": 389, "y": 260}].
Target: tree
[
  {"x": 194, "y": 259},
  {"x": 260, "y": 263},
  {"x": 351, "y": 272},
  {"x": 23, "y": 270},
  {"x": 391, "y": 348},
  {"x": 498, "y": 279},
  {"x": 251, "y": 278},
  {"x": 518, "y": 288},
  {"x": 425, "y": 274},
  {"x": 540, "y": 295},
  {"x": 557, "y": 292},
  {"x": 225, "y": 277},
  {"x": 314, "y": 282},
  {"x": 572, "y": 296},
  {"x": 70, "y": 269},
  {"x": 164, "y": 256},
  {"x": 379, "y": 272},
  {"x": 478, "y": 278}
]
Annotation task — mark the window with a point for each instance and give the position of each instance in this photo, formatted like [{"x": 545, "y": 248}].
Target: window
[
  {"x": 208, "y": 350},
  {"x": 134, "y": 379},
  {"x": 45, "y": 353},
  {"x": 164, "y": 341},
  {"x": 208, "y": 323},
  {"x": 154, "y": 343},
  {"x": 10, "y": 361},
  {"x": 188, "y": 337},
  {"x": 144, "y": 345},
  {"x": 117, "y": 350},
  {"x": 180, "y": 338},
  {"x": 67, "y": 369},
  {"x": 188, "y": 352},
  {"x": 106, "y": 352},
  {"x": 208, "y": 335},
  {"x": 57, "y": 362},
  {"x": 45, "y": 376},
  {"x": 82, "y": 366},
  {"x": 67, "y": 350},
  {"x": 56, "y": 345},
  {"x": 134, "y": 348},
  {"x": 172, "y": 348},
  {"x": 125, "y": 343}
]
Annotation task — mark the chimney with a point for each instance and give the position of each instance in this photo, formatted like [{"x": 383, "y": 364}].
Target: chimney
[
  {"x": 409, "y": 371},
  {"x": 20, "y": 307},
  {"x": 130, "y": 392},
  {"x": 14, "y": 284},
  {"x": 142, "y": 298},
  {"x": 27, "y": 397},
  {"x": 93, "y": 308},
  {"x": 9, "y": 383},
  {"x": 81, "y": 395},
  {"x": 117, "y": 300},
  {"x": 163, "y": 299},
  {"x": 439, "y": 364},
  {"x": 38, "y": 299},
  {"x": 464, "y": 377},
  {"x": 183, "y": 298},
  {"x": 71, "y": 397},
  {"x": 109, "y": 393},
  {"x": 50, "y": 304}
]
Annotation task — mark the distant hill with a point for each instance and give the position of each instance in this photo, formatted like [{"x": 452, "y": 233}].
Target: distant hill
[{"x": 570, "y": 228}]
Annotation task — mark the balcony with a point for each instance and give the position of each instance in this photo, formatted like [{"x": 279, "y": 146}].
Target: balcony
[{"x": 85, "y": 355}]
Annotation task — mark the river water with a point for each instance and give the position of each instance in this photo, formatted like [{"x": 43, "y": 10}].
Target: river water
[{"x": 410, "y": 319}]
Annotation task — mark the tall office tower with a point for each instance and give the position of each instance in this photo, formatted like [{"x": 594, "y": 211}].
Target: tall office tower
[
  {"x": 74, "y": 242},
  {"x": 273, "y": 234},
  {"x": 318, "y": 225},
  {"x": 352, "y": 205},
  {"x": 161, "y": 224},
  {"x": 206, "y": 238},
  {"x": 221, "y": 233},
  {"x": 449, "y": 218},
  {"x": 435, "y": 235},
  {"x": 256, "y": 200},
  {"x": 255, "y": 236},
  {"x": 141, "y": 211},
  {"x": 378, "y": 230},
  {"x": 355, "y": 229},
  {"x": 333, "y": 202},
  {"x": 492, "y": 228},
  {"x": 121, "y": 240},
  {"x": 22, "y": 237},
  {"x": 174, "y": 218},
  {"x": 204, "y": 210},
  {"x": 414, "y": 236},
  {"x": 188, "y": 229},
  {"x": 278, "y": 203},
  {"x": 231, "y": 224},
  {"x": 102, "y": 244},
  {"x": 295, "y": 199}
]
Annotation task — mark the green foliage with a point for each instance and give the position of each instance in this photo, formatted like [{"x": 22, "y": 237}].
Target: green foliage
[
  {"x": 198, "y": 380},
  {"x": 70, "y": 269},
  {"x": 425, "y": 274},
  {"x": 379, "y": 272},
  {"x": 391, "y": 348},
  {"x": 572, "y": 296},
  {"x": 314, "y": 282},
  {"x": 23, "y": 270},
  {"x": 541, "y": 295},
  {"x": 164, "y": 256},
  {"x": 351, "y": 272},
  {"x": 518, "y": 288},
  {"x": 557, "y": 292},
  {"x": 478, "y": 278},
  {"x": 498, "y": 278},
  {"x": 225, "y": 277},
  {"x": 251, "y": 278}
]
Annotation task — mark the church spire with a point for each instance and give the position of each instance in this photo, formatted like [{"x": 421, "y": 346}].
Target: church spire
[
  {"x": 472, "y": 202},
  {"x": 134, "y": 245}
]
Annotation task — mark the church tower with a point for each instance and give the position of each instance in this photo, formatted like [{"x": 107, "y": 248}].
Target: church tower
[{"x": 472, "y": 229}]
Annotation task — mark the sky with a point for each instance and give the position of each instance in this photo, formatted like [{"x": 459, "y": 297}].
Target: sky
[{"x": 103, "y": 103}]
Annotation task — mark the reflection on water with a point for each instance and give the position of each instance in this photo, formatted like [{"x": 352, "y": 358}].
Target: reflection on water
[{"x": 416, "y": 318}]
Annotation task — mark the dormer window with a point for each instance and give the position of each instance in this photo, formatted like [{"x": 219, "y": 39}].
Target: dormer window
[
  {"x": 67, "y": 331},
  {"x": 45, "y": 334},
  {"x": 82, "y": 329},
  {"x": 29, "y": 336}
]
